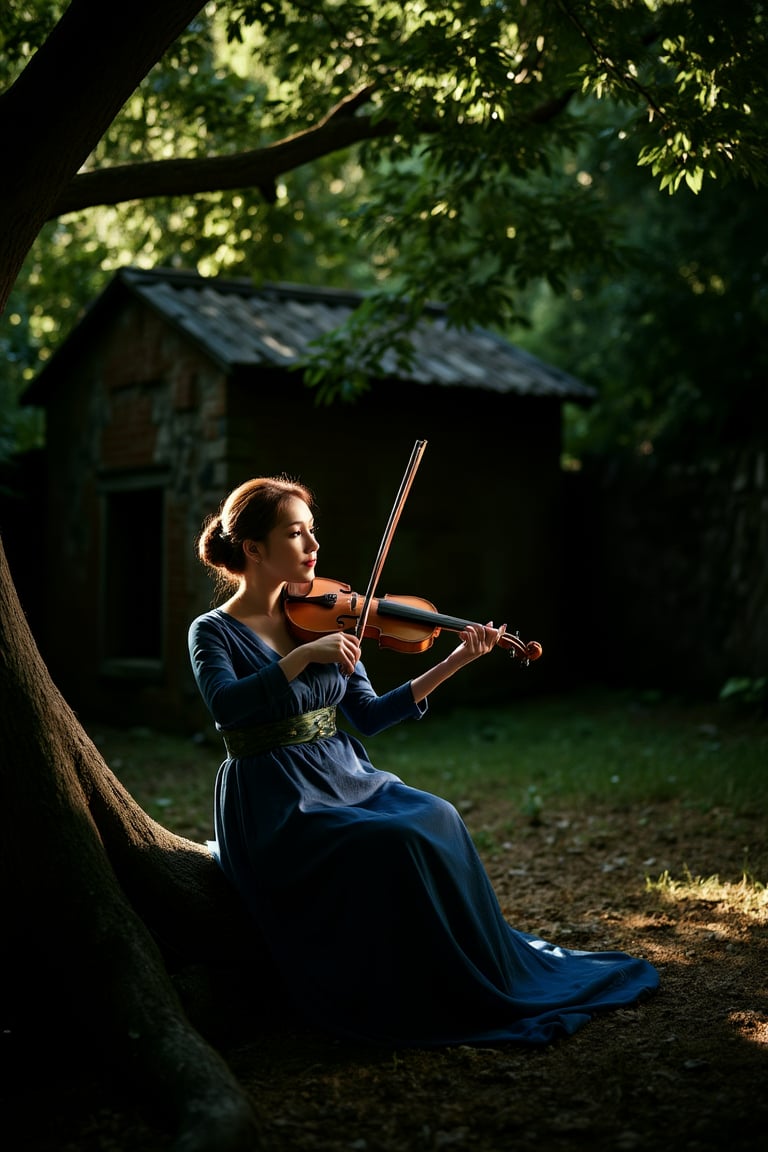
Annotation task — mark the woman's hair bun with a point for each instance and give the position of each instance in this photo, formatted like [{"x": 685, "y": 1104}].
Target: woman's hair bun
[{"x": 215, "y": 545}]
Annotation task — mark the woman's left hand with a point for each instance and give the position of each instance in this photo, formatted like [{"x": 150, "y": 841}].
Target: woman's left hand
[{"x": 477, "y": 640}]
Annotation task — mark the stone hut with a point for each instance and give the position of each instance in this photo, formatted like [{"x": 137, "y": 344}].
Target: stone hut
[{"x": 174, "y": 387}]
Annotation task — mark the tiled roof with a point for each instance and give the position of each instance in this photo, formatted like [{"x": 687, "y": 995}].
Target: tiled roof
[{"x": 239, "y": 324}]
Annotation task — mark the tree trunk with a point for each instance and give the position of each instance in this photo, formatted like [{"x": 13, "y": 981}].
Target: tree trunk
[{"x": 103, "y": 907}]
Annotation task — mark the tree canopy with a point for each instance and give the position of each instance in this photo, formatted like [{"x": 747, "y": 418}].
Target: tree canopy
[
  {"x": 429, "y": 151},
  {"x": 672, "y": 343}
]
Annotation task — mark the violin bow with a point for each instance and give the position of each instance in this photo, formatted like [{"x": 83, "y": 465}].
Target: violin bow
[{"x": 389, "y": 531}]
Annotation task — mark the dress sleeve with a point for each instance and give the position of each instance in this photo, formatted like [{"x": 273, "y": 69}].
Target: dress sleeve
[
  {"x": 235, "y": 694},
  {"x": 371, "y": 713}
]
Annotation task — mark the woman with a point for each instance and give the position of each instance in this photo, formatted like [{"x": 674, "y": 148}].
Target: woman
[{"x": 370, "y": 894}]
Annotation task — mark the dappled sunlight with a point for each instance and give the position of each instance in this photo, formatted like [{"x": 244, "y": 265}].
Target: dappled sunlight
[
  {"x": 750, "y": 1027},
  {"x": 749, "y": 896},
  {"x": 711, "y": 935},
  {"x": 688, "y": 938}
]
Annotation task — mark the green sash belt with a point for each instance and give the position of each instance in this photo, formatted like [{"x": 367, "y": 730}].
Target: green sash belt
[{"x": 302, "y": 729}]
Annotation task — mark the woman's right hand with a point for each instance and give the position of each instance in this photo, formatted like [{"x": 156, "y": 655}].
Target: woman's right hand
[{"x": 342, "y": 648}]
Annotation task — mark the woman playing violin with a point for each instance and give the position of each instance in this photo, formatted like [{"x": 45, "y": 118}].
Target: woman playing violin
[{"x": 370, "y": 894}]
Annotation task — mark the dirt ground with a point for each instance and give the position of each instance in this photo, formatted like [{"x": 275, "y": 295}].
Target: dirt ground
[{"x": 686, "y": 1070}]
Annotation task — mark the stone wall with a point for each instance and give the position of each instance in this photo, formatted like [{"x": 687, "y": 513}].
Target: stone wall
[{"x": 670, "y": 589}]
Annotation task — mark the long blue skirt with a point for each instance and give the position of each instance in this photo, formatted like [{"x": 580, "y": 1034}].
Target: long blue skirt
[{"x": 385, "y": 928}]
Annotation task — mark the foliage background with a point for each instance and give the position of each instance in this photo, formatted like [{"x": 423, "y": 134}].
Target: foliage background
[{"x": 511, "y": 191}]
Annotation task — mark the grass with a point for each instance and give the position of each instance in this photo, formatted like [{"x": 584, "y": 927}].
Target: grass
[
  {"x": 609, "y": 747},
  {"x": 750, "y": 897},
  {"x": 602, "y": 746}
]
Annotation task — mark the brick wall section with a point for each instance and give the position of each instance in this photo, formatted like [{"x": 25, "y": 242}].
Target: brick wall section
[
  {"x": 138, "y": 402},
  {"x": 129, "y": 439}
]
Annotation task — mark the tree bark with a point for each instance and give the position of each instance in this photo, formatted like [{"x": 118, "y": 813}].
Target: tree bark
[{"x": 100, "y": 903}]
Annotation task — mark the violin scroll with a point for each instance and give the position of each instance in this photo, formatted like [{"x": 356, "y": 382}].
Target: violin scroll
[{"x": 527, "y": 652}]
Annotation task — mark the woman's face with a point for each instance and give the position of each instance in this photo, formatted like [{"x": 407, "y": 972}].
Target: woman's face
[{"x": 289, "y": 552}]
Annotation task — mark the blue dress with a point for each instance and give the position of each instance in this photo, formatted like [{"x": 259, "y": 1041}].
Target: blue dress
[{"x": 371, "y": 896}]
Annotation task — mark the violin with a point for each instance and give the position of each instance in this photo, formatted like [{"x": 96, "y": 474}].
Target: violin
[{"x": 403, "y": 623}]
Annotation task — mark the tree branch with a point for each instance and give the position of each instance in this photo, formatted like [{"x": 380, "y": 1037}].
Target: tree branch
[{"x": 258, "y": 168}]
